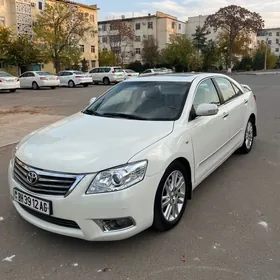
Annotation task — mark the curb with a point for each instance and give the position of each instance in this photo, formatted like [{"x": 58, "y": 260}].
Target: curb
[{"x": 9, "y": 144}]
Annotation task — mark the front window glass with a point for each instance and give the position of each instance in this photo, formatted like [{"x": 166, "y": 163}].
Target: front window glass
[{"x": 142, "y": 100}]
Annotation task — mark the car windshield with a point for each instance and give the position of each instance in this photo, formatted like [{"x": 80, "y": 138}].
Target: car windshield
[
  {"x": 142, "y": 100},
  {"x": 4, "y": 74},
  {"x": 157, "y": 70},
  {"x": 44, "y": 73},
  {"x": 129, "y": 71}
]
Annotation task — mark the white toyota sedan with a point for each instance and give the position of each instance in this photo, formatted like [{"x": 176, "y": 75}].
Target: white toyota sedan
[
  {"x": 38, "y": 79},
  {"x": 8, "y": 82},
  {"x": 133, "y": 157},
  {"x": 73, "y": 78}
]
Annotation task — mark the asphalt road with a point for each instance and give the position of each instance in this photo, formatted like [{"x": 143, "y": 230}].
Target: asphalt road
[{"x": 231, "y": 229}]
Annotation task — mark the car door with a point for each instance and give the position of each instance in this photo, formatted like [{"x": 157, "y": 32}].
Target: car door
[
  {"x": 93, "y": 73},
  {"x": 236, "y": 103},
  {"x": 209, "y": 133},
  {"x": 22, "y": 80},
  {"x": 60, "y": 77},
  {"x": 30, "y": 79}
]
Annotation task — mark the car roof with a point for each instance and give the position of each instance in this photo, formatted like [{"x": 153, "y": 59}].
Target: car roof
[{"x": 177, "y": 77}]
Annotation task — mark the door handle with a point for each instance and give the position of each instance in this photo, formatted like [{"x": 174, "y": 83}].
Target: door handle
[
  {"x": 246, "y": 101},
  {"x": 225, "y": 115}
]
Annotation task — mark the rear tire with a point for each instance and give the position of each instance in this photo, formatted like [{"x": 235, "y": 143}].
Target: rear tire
[
  {"x": 71, "y": 84},
  {"x": 171, "y": 197},
  {"x": 35, "y": 86},
  {"x": 248, "y": 137},
  {"x": 53, "y": 87},
  {"x": 85, "y": 85},
  {"x": 13, "y": 90},
  {"x": 106, "y": 81}
]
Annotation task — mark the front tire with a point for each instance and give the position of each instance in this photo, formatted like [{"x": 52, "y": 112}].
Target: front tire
[
  {"x": 248, "y": 137},
  {"x": 53, "y": 87},
  {"x": 71, "y": 84},
  {"x": 106, "y": 81},
  {"x": 85, "y": 85},
  {"x": 13, "y": 90},
  {"x": 171, "y": 197}
]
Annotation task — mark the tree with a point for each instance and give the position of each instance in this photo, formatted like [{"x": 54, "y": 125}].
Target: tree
[
  {"x": 84, "y": 65},
  {"x": 106, "y": 58},
  {"x": 5, "y": 39},
  {"x": 240, "y": 46},
  {"x": 181, "y": 53},
  {"x": 59, "y": 29},
  {"x": 150, "y": 51},
  {"x": 211, "y": 55},
  {"x": 121, "y": 35},
  {"x": 136, "y": 66},
  {"x": 22, "y": 52},
  {"x": 235, "y": 20},
  {"x": 259, "y": 57},
  {"x": 200, "y": 37}
]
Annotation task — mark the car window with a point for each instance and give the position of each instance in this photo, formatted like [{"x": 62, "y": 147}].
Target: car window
[
  {"x": 30, "y": 74},
  {"x": 237, "y": 90},
  {"x": 143, "y": 100},
  {"x": 129, "y": 71},
  {"x": 107, "y": 70},
  {"x": 24, "y": 75},
  {"x": 226, "y": 88},
  {"x": 118, "y": 70},
  {"x": 4, "y": 74},
  {"x": 44, "y": 73},
  {"x": 206, "y": 93},
  {"x": 93, "y": 70},
  {"x": 147, "y": 71},
  {"x": 77, "y": 73},
  {"x": 101, "y": 70},
  {"x": 60, "y": 74}
]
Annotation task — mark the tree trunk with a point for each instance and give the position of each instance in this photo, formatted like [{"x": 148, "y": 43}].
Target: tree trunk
[{"x": 56, "y": 63}]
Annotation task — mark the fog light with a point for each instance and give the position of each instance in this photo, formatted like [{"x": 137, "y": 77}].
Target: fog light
[{"x": 115, "y": 224}]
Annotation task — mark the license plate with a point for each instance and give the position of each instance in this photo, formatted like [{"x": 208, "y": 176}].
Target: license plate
[{"x": 37, "y": 204}]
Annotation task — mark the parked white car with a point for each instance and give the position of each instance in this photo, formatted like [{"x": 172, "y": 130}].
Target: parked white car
[
  {"x": 73, "y": 78},
  {"x": 130, "y": 73},
  {"x": 133, "y": 157},
  {"x": 153, "y": 71},
  {"x": 107, "y": 75},
  {"x": 38, "y": 79},
  {"x": 8, "y": 82}
]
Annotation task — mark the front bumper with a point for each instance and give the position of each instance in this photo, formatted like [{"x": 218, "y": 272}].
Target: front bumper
[
  {"x": 84, "y": 209},
  {"x": 84, "y": 81}
]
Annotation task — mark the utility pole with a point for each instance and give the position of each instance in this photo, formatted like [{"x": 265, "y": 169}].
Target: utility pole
[{"x": 265, "y": 54}]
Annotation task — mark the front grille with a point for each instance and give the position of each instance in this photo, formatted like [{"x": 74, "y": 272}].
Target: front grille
[
  {"x": 51, "y": 219},
  {"x": 47, "y": 183}
]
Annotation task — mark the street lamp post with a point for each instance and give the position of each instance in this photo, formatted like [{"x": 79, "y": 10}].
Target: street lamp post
[{"x": 265, "y": 53}]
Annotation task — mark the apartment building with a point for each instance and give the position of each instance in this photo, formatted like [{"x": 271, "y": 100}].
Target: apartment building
[
  {"x": 194, "y": 22},
  {"x": 272, "y": 37},
  {"x": 20, "y": 16},
  {"x": 159, "y": 25}
]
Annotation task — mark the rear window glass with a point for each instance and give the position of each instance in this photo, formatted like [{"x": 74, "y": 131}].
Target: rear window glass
[
  {"x": 78, "y": 72},
  {"x": 4, "y": 74},
  {"x": 118, "y": 69},
  {"x": 44, "y": 73},
  {"x": 129, "y": 71}
]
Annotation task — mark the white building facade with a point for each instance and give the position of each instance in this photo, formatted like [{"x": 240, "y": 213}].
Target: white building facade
[
  {"x": 272, "y": 37},
  {"x": 161, "y": 26}
]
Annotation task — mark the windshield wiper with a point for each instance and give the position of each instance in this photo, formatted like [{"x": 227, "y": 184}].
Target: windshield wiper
[
  {"x": 122, "y": 115},
  {"x": 91, "y": 113}
]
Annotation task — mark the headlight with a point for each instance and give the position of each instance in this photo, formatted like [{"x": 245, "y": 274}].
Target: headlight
[{"x": 118, "y": 178}]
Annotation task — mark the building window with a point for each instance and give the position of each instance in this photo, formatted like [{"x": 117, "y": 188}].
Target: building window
[
  {"x": 113, "y": 27},
  {"x": 150, "y": 37},
  {"x": 104, "y": 27},
  {"x": 277, "y": 50},
  {"x": 137, "y": 26},
  {"x": 269, "y": 42},
  {"x": 138, "y": 38},
  {"x": 150, "y": 25},
  {"x": 92, "y": 48},
  {"x": 91, "y": 18},
  {"x": 138, "y": 51},
  {"x": 270, "y": 34},
  {"x": 2, "y": 21},
  {"x": 82, "y": 48},
  {"x": 104, "y": 39},
  {"x": 173, "y": 24},
  {"x": 180, "y": 26},
  {"x": 277, "y": 33},
  {"x": 277, "y": 41},
  {"x": 40, "y": 5}
]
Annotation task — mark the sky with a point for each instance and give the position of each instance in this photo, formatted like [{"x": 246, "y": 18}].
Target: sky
[{"x": 269, "y": 10}]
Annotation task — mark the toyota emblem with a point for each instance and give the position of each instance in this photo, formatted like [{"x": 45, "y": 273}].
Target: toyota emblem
[{"x": 32, "y": 177}]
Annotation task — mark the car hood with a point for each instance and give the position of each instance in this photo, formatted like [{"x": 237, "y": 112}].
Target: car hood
[{"x": 84, "y": 144}]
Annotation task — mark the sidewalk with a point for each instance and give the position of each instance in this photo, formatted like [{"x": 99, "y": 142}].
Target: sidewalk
[{"x": 16, "y": 122}]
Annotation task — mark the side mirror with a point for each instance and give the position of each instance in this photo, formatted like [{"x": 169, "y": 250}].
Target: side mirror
[
  {"x": 207, "y": 110},
  {"x": 92, "y": 100}
]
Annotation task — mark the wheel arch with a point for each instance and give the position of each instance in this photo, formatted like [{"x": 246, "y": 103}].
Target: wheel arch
[
  {"x": 184, "y": 162},
  {"x": 253, "y": 118}
]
